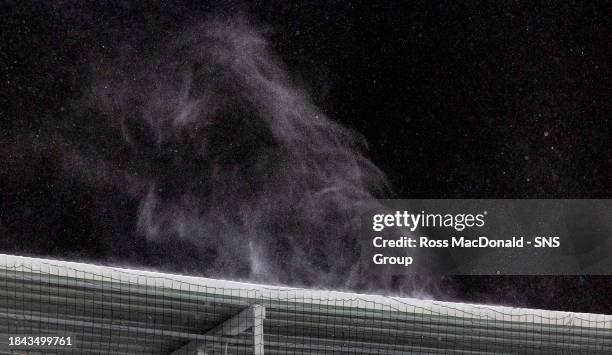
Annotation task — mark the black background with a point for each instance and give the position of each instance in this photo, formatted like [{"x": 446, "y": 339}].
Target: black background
[{"x": 456, "y": 100}]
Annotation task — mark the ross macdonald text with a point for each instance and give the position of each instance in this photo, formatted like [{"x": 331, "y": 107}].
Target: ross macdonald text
[{"x": 461, "y": 242}]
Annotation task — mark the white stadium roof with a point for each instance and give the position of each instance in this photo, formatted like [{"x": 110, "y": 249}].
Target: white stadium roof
[{"x": 107, "y": 310}]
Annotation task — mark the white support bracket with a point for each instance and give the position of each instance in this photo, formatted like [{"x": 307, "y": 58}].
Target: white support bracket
[{"x": 250, "y": 317}]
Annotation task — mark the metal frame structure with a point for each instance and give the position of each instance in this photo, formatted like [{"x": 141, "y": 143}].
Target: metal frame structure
[
  {"x": 113, "y": 310},
  {"x": 250, "y": 317}
]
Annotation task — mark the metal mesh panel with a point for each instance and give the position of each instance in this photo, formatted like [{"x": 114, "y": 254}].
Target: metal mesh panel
[{"x": 103, "y": 310}]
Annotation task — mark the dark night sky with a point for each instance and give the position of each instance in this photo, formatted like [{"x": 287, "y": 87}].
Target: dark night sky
[{"x": 487, "y": 100}]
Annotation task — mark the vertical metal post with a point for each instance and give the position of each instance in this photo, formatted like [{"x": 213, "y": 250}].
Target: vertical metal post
[{"x": 259, "y": 314}]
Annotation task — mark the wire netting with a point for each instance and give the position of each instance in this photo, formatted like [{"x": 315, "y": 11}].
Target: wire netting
[{"x": 53, "y": 307}]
